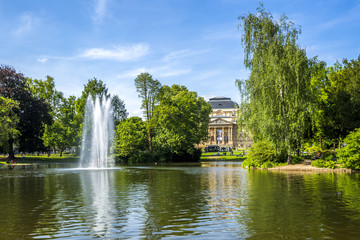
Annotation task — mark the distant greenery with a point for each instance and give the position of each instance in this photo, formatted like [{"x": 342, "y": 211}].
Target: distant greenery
[
  {"x": 176, "y": 120},
  {"x": 36, "y": 117},
  {"x": 131, "y": 140},
  {"x": 263, "y": 155},
  {"x": 180, "y": 122},
  {"x": 8, "y": 119},
  {"x": 320, "y": 163},
  {"x": 349, "y": 156}
]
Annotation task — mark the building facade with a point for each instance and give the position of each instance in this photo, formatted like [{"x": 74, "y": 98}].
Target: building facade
[{"x": 223, "y": 127}]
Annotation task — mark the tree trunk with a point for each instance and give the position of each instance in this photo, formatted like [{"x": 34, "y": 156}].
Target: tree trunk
[
  {"x": 150, "y": 143},
  {"x": 339, "y": 142},
  {"x": 48, "y": 152},
  {"x": 61, "y": 151},
  {"x": 11, "y": 148},
  {"x": 289, "y": 158}
]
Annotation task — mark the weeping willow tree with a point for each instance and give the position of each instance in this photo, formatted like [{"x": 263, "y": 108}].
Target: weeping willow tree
[{"x": 275, "y": 96}]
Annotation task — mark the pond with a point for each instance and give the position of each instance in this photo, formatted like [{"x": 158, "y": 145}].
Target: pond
[{"x": 209, "y": 200}]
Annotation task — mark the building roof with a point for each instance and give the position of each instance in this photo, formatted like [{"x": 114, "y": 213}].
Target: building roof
[{"x": 222, "y": 102}]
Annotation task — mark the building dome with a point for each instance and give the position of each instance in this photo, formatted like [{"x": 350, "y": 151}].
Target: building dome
[{"x": 222, "y": 103}]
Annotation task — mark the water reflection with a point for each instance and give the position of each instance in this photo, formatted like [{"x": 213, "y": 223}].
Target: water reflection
[
  {"x": 302, "y": 205},
  {"x": 96, "y": 188},
  {"x": 208, "y": 201}
]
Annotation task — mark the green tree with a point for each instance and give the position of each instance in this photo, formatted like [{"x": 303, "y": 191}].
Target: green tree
[
  {"x": 349, "y": 156},
  {"x": 8, "y": 119},
  {"x": 33, "y": 112},
  {"x": 46, "y": 90},
  {"x": 343, "y": 99},
  {"x": 119, "y": 110},
  {"x": 180, "y": 122},
  {"x": 319, "y": 85},
  {"x": 335, "y": 100},
  {"x": 276, "y": 97},
  {"x": 94, "y": 87},
  {"x": 147, "y": 89},
  {"x": 63, "y": 133},
  {"x": 131, "y": 138}
]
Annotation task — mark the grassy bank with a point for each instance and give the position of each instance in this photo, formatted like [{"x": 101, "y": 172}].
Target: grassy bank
[
  {"x": 212, "y": 156},
  {"x": 67, "y": 158},
  {"x": 54, "y": 158}
]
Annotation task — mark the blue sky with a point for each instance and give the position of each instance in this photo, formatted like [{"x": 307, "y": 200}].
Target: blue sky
[{"x": 195, "y": 43}]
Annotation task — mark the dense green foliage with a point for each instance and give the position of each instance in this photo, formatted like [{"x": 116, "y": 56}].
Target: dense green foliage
[
  {"x": 290, "y": 99},
  {"x": 148, "y": 90},
  {"x": 33, "y": 112},
  {"x": 275, "y": 106},
  {"x": 262, "y": 155},
  {"x": 36, "y": 117},
  {"x": 180, "y": 122},
  {"x": 176, "y": 118},
  {"x": 119, "y": 111},
  {"x": 349, "y": 156},
  {"x": 8, "y": 119},
  {"x": 337, "y": 100},
  {"x": 321, "y": 163},
  {"x": 62, "y": 132},
  {"x": 131, "y": 140}
]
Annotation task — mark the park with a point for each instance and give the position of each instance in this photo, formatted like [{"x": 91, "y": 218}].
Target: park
[{"x": 79, "y": 167}]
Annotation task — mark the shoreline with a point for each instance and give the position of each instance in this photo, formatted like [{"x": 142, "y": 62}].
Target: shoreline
[{"x": 302, "y": 167}]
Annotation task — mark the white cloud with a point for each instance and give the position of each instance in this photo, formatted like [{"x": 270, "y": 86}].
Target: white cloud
[
  {"x": 42, "y": 60},
  {"x": 119, "y": 53},
  {"x": 26, "y": 23},
  {"x": 99, "y": 10},
  {"x": 178, "y": 55}
]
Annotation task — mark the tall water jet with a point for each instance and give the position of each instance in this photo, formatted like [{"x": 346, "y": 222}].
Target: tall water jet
[{"x": 98, "y": 132}]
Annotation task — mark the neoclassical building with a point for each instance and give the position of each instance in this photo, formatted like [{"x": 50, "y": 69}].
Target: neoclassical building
[{"x": 223, "y": 128}]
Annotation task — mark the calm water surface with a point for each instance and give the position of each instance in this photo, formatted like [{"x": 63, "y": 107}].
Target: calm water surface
[{"x": 198, "y": 201}]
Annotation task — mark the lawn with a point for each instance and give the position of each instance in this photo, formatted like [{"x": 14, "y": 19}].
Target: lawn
[
  {"x": 212, "y": 156},
  {"x": 69, "y": 158},
  {"x": 54, "y": 158}
]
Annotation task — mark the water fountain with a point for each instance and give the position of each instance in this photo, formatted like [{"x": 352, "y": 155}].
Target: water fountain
[{"x": 97, "y": 134}]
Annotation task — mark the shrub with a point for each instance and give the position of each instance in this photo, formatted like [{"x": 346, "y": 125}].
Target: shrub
[
  {"x": 311, "y": 148},
  {"x": 261, "y": 152},
  {"x": 267, "y": 165},
  {"x": 330, "y": 164},
  {"x": 248, "y": 163},
  {"x": 320, "y": 163},
  {"x": 349, "y": 156},
  {"x": 297, "y": 159}
]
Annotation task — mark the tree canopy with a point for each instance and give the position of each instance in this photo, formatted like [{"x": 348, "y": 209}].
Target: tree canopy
[
  {"x": 276, "y": 93},
  {"x": 8, "y": 119},
  {"x": 33, "y": 112},
  {"x": 131, "y": 138},
  {"x": 180, "y": 122},
  {"x": 147, "y": 89}
]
